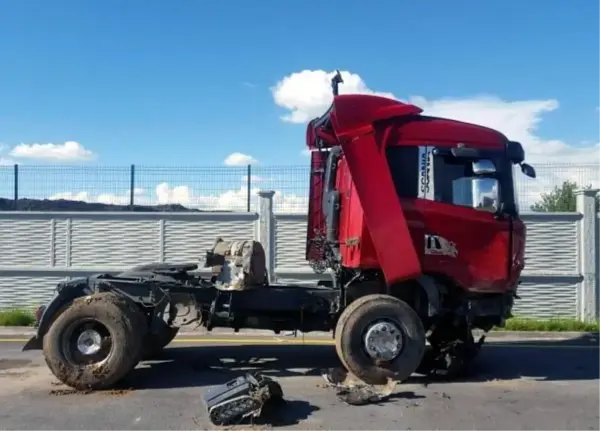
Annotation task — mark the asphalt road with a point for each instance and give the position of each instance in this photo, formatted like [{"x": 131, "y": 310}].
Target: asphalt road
[{"x": 514, "y": 385}]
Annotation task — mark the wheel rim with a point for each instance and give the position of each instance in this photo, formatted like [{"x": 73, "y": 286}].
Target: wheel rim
[
  {"x": 87, "y": 342},
  {"x": 383, "y": 341}
]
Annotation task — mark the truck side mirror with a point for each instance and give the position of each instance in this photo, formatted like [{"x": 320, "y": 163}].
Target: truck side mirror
[
  {"x": 485, "y": 194},
  {"x": 483, "y": 166},
  {"x": 528, "y": 170},
  {"x": 477, "y": 193}
]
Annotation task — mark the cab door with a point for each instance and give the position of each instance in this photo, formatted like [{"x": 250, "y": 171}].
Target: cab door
[{"x": 453, "y": 214}]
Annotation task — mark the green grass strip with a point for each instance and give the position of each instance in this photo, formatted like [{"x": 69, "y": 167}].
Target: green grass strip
[
  {"x": 25, "y": 317},
  {"x": 17, "y": 317}
]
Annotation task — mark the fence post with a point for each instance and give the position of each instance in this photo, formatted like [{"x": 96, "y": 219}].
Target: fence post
[
  {"x": 249, "y": 184},
  {"x": 266, "y": 230},
  {"x": 16, "y": 182},
  {"x": 588, "y": 254},
  {"x": 132, "y": 187}
]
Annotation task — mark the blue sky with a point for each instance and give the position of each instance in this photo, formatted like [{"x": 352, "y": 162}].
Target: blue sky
[{"x": 189, "y": 82}]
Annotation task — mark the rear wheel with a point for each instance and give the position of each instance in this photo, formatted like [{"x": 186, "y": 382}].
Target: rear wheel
[
  {"x": 379, "y": 337},
  {"x": 95, "y": 342}
]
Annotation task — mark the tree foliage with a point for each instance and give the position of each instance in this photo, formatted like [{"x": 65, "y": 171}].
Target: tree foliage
[{"x": 561, "y": 199}]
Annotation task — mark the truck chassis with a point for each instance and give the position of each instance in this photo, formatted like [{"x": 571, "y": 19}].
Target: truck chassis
[{"x": 96, "y": 329}]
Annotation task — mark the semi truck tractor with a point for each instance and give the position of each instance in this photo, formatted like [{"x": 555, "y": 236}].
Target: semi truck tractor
[{"x": 412, "y": 222}]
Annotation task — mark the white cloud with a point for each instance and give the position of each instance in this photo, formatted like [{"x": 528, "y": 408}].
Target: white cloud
[
  {"x": 253, "y": 179},
  {"x": 164, "y": 194},
  {"x": 307, "y": 94},
  {"x": 239, "y": 159},
  {"x": 518, "y": 120},
  {"x": 4, "y": 161},
  {"x": 104, "y": 198},
  {"x": 68, "y": 151}
]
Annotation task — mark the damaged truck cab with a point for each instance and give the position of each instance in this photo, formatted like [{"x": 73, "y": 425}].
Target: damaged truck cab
[
  {"x": 415, "y": 218},
  {"x": 416, "y": 199},
  {"x": 420, "y": 208}
]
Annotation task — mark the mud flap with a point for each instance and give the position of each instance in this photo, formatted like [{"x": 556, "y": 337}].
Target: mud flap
[
  {"x": 383, "y": 213},
  {"x": 34, "y": 343},
  {"x": 63, "y": 295}
]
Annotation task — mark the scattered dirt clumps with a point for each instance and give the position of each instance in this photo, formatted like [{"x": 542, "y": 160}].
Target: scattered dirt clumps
[{"x": 108, "y": 392}]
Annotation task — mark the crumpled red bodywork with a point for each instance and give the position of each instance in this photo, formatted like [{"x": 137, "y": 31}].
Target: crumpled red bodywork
[
  {"x": 352, "y": 121},
  {"x": 379, "y": 230}
]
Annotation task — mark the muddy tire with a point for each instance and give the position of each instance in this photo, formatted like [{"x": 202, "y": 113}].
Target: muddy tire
[
  {"x": 155, "y": 343},
  {"x": 95, "y": 342},
  {"x": 379, "y": 337}
]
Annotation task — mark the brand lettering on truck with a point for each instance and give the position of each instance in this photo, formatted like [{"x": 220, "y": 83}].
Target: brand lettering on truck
[
  {"x": 425, "y": 172},
  {"x": 439, "y": 246}
]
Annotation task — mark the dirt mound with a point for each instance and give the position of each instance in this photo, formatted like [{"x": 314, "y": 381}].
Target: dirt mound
[{"x": 68, "y": 205}]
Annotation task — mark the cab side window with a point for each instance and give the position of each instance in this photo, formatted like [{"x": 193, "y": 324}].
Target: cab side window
[
  {"x": 452, "y": 182},
  {"x": 456, "y": 183},
  {"x": 417, "y": 173}
]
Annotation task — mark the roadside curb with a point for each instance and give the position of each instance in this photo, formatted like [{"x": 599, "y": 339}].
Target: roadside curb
[{"x": 27, "y": 331}]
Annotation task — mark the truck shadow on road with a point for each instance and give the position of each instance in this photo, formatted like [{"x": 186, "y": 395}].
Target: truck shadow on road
[
  {"x": 550, "y": 360},
  {"x": 199, "y": 366}
]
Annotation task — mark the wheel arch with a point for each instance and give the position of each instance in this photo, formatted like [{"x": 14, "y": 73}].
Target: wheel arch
[
  {"x": 66, "y": 293},
  {"x": 425, "y": 293}
]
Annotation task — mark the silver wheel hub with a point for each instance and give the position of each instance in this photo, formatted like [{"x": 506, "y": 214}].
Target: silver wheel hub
[
  {"x": 383, "y": 341},
  {"x": 89, "y": 342}
]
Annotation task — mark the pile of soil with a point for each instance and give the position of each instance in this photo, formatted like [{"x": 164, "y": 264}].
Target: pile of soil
[{"x": 68, "y": 205}]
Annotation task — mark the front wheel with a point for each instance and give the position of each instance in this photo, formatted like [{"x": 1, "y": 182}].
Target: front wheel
[
  {"x": 95, "y": 342},
  {"x": 379, "y": 337}
]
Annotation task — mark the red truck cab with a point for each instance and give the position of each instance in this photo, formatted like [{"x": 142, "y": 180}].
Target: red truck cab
[{"x": 409, "y": 194}]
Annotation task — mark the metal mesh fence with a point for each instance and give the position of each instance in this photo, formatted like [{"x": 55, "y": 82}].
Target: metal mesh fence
[
  {"x": 7, "y": 182},
  {"x": 290, "y": 183},
  {"x": 211, "y": 188},
  {"x": 549, "y": 176},
  {"x": 103, "y": 184}
]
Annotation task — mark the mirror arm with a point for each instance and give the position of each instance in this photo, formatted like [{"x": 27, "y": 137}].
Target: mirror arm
[{"x": 500, "y": 214}]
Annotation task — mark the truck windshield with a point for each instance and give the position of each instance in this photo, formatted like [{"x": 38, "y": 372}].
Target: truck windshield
[
  {"x": 418, "y": 174},
  {"x": 456, "y": 183}
]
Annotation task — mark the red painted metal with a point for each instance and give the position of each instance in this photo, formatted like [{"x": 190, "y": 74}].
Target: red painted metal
[
  {"x": 316, "y": 220},
  {"x": 379, "y": 230},
  {"x": 482, "y": 243},
  {"x": 353, "y": 112},
  {"x": 352, "y": 121},
  {"x": 383, "y": 216}
]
